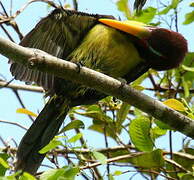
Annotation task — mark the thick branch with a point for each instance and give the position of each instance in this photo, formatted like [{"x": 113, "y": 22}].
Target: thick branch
[{"x": 42, "y": 61}]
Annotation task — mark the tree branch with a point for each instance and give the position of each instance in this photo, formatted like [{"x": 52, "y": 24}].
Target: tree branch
[
  {"x": 13, "y": 123},
  {"x": 163, "y": 89},
  {"x": 36, "y": 59},
  {"x": 4, "y": 84}
]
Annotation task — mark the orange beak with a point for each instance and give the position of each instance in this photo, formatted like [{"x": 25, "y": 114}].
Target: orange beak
[{"x": 134, "y": 28}]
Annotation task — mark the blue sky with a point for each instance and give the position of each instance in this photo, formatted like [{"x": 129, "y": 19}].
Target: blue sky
[{"x": 35, "y": 101}]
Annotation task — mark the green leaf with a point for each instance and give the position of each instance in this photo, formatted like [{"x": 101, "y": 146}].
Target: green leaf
[
  {"x": 174, "y": 3},
  {"x": 117, "y": 173},
  {"x": 111, "y": 177},
  {"x": 158, "y": 132},
  {"x": 122, "y": 114},
  {"x": 96, "y": 114},
  {"x": 175, "y": 104},
  {"x": 139, "y": 80},
  {"x": 25, "y": 111},
  {"x": 152, "y": 159},
  {"x": 185, "y": 86},
  {"x": 188, "y": 176},
  {"x": 185, "y": 160},
  {"x": 26, "y": 176},
  {"x": 111, "y": 130},
  {"x": 146, "y": 15},
  {"x": 165, "y": 10},
  {"x": 70, "y": 172},
  {"x": 52, "y": 174},
  {"x": 138, "y": 113},
  {"x": 13, "y": 176},
  {"x": 190, "y": 115},
  {"x": 53, "y": 144},
  {"x": 75, "y": 138},
  {"x": 170, "y": 169},
  {"x": 188, "y": 75},
  {"x": 189, "y": 18},
  {"x": 3, "y": 164},
  {"x": 8, "y": 178},
  {"x": 162, "y": 125},
  {"x": 100, "y": 157},
  {"x": 65, "y": 173},
  {"x": 188, "y": 61},
  {"x": 139, "y": 130},
  {"x": 192, "y": 4},
  {"x": 139, "y": 88},
  {"x": 76, "y": 124},
  {"x": 186, "y": 68},
  {"x": 189, "y": 151},
  {"x": 122, "y": 6}
]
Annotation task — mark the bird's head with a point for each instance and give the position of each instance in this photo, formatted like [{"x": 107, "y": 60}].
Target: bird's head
[{"x": 162, "y": 48}]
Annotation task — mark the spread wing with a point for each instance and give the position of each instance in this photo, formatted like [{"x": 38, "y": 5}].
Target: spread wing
[{"x": 57, "y": 34}]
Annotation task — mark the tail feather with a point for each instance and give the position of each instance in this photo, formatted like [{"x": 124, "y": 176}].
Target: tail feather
[{"x": 40, "y": 133}]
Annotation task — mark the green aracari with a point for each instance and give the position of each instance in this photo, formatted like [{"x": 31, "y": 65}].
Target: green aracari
[{"x": 120, "y": 49}]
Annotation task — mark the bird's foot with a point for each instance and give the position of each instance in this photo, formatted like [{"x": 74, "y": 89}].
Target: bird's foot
[
  {"x": 123, "y": 82},
  {"x": 79, "y": 66}
]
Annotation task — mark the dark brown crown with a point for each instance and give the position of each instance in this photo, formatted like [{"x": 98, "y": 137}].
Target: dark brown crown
[{"x": 171, "y": 47}]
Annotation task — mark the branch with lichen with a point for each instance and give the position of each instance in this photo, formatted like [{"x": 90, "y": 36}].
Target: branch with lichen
[{"x": 39, "y": 60}]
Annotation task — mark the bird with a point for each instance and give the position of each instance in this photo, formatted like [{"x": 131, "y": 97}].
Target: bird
[{"x": 120, "y": 49}]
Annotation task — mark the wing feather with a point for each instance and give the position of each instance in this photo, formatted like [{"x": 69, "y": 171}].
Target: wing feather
[{"x": 57, "y": 34}]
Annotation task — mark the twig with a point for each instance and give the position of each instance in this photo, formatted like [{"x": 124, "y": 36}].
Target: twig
[
  {"x": 102, "y": 150},
  {"x": 152, "y": 80},
  {"x": 16, "y": 93},
  {"x": 3, "y": 141},
  {"x": 170, "y": 144},
  {"x": 75, "y": 5},
  {"x": 112, "y": 160},
  {"x": 9, "y": 20},
  {"x": 83, "y": 143},
  {"x": 162, "y": 89},
  {"x": 4, "y": 10},
  {"x": 176, "y": 19},
  {"x": 7, "y": 33},
  {"x": 150, "y": 171},
  {"x": 106, "y": 145},
  {"x": 21, "y": 102},
  {"x": 175, "y": 164},
  {"x": 76, "y": 151},
  {"x": 4, "y": 84},
  {"x": 7, "y": 83},
  {"x": 51, "y": 3},
  {"x": 13, "y": 123}
]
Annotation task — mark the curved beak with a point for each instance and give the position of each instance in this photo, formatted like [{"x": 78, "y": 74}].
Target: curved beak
[{"x": 134, "y": 28}]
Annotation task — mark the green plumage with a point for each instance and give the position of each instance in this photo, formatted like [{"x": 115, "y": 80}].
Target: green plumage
[
  {"x": 40, "y": 133},
  {"x": 81, "y": 38},
  {"x": 107, "y": 50}
]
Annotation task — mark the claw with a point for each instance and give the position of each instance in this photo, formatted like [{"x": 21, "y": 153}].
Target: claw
[
  {"x": 79, "y": 66},
  {"x": 123, "y": 82}
]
